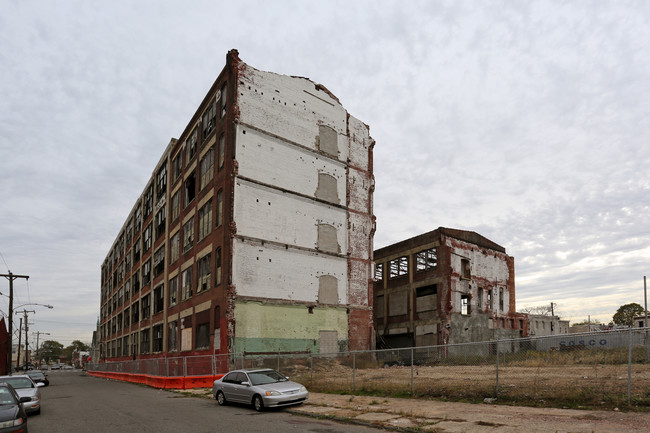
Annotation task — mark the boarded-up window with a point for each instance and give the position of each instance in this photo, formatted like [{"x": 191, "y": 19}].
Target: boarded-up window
[
  {"x": 327, "y": 140},
  {"x": 328, "y": 292},
  {"x": 426, "y": 335},
  {"x": 398, "y": 303},
  {"x": 327, "y": 240},
  {"x": 328, "y": 341},
  {"x": 327, "y": 188},
  {"x": 426, "y": 298}
]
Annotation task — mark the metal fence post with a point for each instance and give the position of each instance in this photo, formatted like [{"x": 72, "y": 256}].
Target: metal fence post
[
  {"x": 496, "y": 389},
  {"x": 311, "y": 369},
  {"x": 412, "y": 387},
  {"x": 278, "y": 359},
  {"x": 354, "y": 372},
  {"x": 629, "y": 367},
  {"x": 185, "y": 366}
]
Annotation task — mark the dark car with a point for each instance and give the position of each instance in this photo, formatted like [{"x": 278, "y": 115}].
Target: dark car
[
  {"x": 13, "y": 418},
  {"x": 38, "y": 376}
]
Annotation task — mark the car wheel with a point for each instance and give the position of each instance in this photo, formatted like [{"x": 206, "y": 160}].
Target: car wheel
[
  {"x": 258, "y": 403},
  {"x": 221, "y": 399}
]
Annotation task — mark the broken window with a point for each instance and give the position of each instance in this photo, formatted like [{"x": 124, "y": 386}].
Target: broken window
[
  {"x": 148, "y": 202},
  {"x": 190, "y": 188},
  {"x": 186, "y": 284},
  {"x": 145, "y": 306},
  {"x": 327, "y": 238},
  {"x": 480, "y": 298},
  {"x": 159, "y": 261},
  {"x": 125, "y": 346},
  {"x": 138, "y": 218},
  {"x": 136, "y": 281},
  {"x": 188, "y": 235},
  {"x": 161, "y": 182},
  {"x": 222, "y": 151},
  {"x": 209, "y": 120},
  {"x": 176, "y": 205},
  {"x": 145, "y": 340},
  {"x": 127, "y": 317},
  {"x": 146, "y": 273},
  {"x": 223, "y": 100},
  {"x": 205, "y": 220},
  {"x": 489, "y": 299},
  {"x": 127, "y": 290},
  {"x": 207, "y": 168},
  {"x": 161, "y": 218},
  {"x": 328, "y": 290},
  {"x": 464, "y": 304},
  {"x": 136, "y": 251},
  {"x": 426, "y": 298},
  {"x": 379, "y": 271},
  {"x": 398, "y": 267},
  {"x": 465, "y": 270},
  {"x": 203, "y": 269},
  {"x": 177, "y": 167},
  {"x": 174, "y": 248},
  {"x": 147, "y": 238},
  {"x": 173, "y": 291},
  {"x": 190, "y": 146},
  {"x": 158, "y": 299},
  {"x": 427, "y": 259},
  {"x": 157, "y": 338},
  {"x": 172, "y": 336},
  {"x": 217, "y": 265},
  {"x": 219, "y": 208}
]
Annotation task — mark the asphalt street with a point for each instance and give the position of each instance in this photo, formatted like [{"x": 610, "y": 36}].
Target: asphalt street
[{"x": 76, "y": 403}]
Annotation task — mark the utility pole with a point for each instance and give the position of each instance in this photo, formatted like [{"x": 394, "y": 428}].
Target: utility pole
[
  {"x": 20, "y": 334},
  {"x": 11, "y": 277},
  {"x": 26, "y": 335},
  {"x": 38, "y": 334},
  {"x": 645, "y": 297}
]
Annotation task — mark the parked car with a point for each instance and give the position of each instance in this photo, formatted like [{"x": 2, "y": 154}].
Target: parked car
[
  {"x": 261, "y": 388},
  {"x": 38, "y": 376},
  {"x": 25, "y": 387},
  {"x": 56, "y": 367},
  {"x": 13, "y": 418}
]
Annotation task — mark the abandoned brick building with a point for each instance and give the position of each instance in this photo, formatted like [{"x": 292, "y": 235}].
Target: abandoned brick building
[
  {"x": 254, "y": 232},
  {"x": 443, "y": 287}
]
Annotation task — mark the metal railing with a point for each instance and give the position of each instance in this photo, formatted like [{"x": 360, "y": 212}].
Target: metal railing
[{"x": 611, "y": 367}]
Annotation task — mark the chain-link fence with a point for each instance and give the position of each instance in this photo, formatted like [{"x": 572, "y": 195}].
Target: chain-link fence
[{"x": 602, "y": 368}]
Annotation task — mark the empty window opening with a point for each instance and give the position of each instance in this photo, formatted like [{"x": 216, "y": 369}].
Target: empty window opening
[
  {"x": 464, "y": 304},
  {"x": 466, "y": 271},
  {"x": 190, "y": 189},
  {"x": 398, "y": 267},
  {"x": 427, "y": 259},
  {"x": 379, "y": 271}
]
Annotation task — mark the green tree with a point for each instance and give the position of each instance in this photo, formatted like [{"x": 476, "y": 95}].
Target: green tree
[
  {"x": 50, "y": 350},
  {"x": 625, "y": 314},
  {"x": 75, "y": 346}
]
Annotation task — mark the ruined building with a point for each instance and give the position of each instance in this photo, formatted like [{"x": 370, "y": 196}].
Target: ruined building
[
  {"x": 444, "y": 287},
  {"x": 254, "y": 232}
]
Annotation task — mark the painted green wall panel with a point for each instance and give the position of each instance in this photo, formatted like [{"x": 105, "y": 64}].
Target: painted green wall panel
[{"x": 289, "y": 328}]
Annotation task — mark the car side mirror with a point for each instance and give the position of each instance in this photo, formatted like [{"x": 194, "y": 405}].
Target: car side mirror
[
  {"x": 246, "y": 383},
  {"x": 25, "y": 399}
]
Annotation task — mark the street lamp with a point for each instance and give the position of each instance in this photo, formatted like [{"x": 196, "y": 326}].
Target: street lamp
[{"x": 27, "y": 327}]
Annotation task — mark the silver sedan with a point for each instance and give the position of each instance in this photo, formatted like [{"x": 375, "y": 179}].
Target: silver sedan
[
  {"x": 25, "y": 387},
  {"x": 260, "y": 388}
]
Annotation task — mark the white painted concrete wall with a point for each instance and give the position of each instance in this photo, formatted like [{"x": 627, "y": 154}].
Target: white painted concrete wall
[
  {"x": 289, "y": 107},
  {"x": 270, "y": 271},
  {"x": 266, "y": 213},
  {"x": 277, "y": 162}
]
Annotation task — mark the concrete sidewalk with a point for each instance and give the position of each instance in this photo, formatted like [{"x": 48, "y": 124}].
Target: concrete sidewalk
[{"x": 443, "y": 417}]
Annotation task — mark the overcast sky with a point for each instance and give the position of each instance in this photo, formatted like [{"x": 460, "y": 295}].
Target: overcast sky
[{"x": 525, "y": 121}]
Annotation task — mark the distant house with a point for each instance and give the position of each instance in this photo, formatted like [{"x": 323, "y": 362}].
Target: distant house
[
  {"x": 542, "y": 325},
  {"x": 443, "y": 287},
  {"x": 640, "y": 322}
]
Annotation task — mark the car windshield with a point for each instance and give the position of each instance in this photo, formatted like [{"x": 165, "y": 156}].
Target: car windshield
[
  {"x": 264, "y": 377},
  {"x": 19, "y": 382},
  {"x": 6, "y": 397}
]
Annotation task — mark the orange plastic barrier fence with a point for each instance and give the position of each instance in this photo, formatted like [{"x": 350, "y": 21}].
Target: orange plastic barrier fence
[{"x": 161, "y": 382}]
